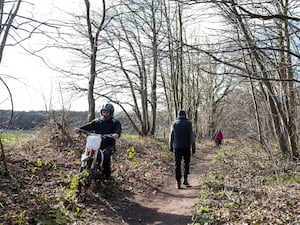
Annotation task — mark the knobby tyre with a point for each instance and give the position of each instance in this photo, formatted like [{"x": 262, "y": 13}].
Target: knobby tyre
[{"x": 85, "y": 178}]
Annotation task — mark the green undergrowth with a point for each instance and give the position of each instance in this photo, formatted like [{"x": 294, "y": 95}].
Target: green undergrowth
[
  {"x": 14, "y": 137},
  {"x": 247, "y": 186}
]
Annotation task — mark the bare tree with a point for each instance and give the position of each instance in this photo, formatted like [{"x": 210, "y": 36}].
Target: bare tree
[
  {"x": 132, "y": 68},
  {"x": 80, "y": 36},
  {"x": 263, "y": 36},
  {"x": 191, "y": 78},
  {"x": 93, "y": 31},
  {"x": 15, "y": 29},
  {"x": 280, "y": 95},
  {"x": 173, "y": 68},
  {"x": 9, "y": 11}
]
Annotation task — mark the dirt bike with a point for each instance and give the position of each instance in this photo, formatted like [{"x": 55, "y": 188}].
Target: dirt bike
[{"x": 91, "y": 161}]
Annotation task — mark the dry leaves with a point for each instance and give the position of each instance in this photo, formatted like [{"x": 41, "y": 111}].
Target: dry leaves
[
  {"x": 38, "y": 189},
  {"x": 245, "y": 186}
]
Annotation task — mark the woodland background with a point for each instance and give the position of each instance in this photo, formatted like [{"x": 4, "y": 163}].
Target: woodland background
[{"x": 232, "y": 65}]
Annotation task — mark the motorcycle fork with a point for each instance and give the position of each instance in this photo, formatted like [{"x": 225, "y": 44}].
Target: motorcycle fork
[{"x": 95, "y": 159}]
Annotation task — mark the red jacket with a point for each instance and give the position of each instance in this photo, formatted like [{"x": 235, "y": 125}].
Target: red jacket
[{"x": 219, "y": 136}]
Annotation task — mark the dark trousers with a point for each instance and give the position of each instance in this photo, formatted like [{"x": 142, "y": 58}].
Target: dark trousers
[
  {"x": 218, "y": 142},
  {"x": 186, "y": 155},
  {"x": 107, "y": 160}
]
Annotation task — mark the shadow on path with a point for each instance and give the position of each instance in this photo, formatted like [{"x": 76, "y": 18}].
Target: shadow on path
[
  {"x": 152, "y": 216},
  {"x": 169, "y": 206}
]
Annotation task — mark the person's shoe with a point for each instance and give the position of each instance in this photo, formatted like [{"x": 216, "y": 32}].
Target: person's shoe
[
  {"x": 178, "y": 185},
  {"x": 186, "y": 183}
]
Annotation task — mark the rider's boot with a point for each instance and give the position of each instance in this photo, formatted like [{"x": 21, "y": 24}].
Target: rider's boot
[{"x": 107, "y": 176}]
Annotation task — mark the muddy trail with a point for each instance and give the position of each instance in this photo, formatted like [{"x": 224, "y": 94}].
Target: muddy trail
[{"x": 170, "y": 205}]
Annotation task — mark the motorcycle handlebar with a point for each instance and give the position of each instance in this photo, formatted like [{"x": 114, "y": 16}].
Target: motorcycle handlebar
[{"x": 81, "y": 131}]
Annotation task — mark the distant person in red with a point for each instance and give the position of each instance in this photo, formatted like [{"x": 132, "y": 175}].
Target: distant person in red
[{"x": 218, "y": 138}]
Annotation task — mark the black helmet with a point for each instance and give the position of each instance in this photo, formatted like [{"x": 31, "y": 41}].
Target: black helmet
[{"x": 108, "y": 107}]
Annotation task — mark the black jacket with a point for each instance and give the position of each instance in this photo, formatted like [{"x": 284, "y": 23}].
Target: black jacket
[
  {"x": 101, "y": 126},
  {"x": 182, "y": 135}
]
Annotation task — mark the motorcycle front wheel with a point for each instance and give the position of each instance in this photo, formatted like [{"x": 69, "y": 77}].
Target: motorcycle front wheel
[{"x": 85, "y": 177}]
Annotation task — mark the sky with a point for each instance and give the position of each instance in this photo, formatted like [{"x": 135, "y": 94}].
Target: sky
[{"x": 32, "y": 84}]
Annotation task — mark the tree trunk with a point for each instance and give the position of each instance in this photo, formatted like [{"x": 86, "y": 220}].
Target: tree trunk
[{"x": 93, "y": 39}]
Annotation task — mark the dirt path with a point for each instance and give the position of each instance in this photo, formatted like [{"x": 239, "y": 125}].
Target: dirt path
[{"x": 170, "y": 205}]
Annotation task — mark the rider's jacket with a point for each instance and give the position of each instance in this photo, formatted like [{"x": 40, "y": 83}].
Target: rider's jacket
[{"x": 102, "y": 126}]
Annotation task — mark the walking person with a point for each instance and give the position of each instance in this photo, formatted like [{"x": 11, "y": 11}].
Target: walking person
[
  {"x": 218, "y": 138},
  {"x": 181, "y": 142}
]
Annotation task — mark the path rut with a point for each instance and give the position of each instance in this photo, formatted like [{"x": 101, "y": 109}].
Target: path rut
[{"x": 171, "y": 206}]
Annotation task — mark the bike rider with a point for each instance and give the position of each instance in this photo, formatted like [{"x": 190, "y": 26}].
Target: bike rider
[{"x": 105, "y": 124}]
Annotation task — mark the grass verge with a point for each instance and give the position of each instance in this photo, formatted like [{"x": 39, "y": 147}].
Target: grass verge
[{"x": 247, "y": 186}]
